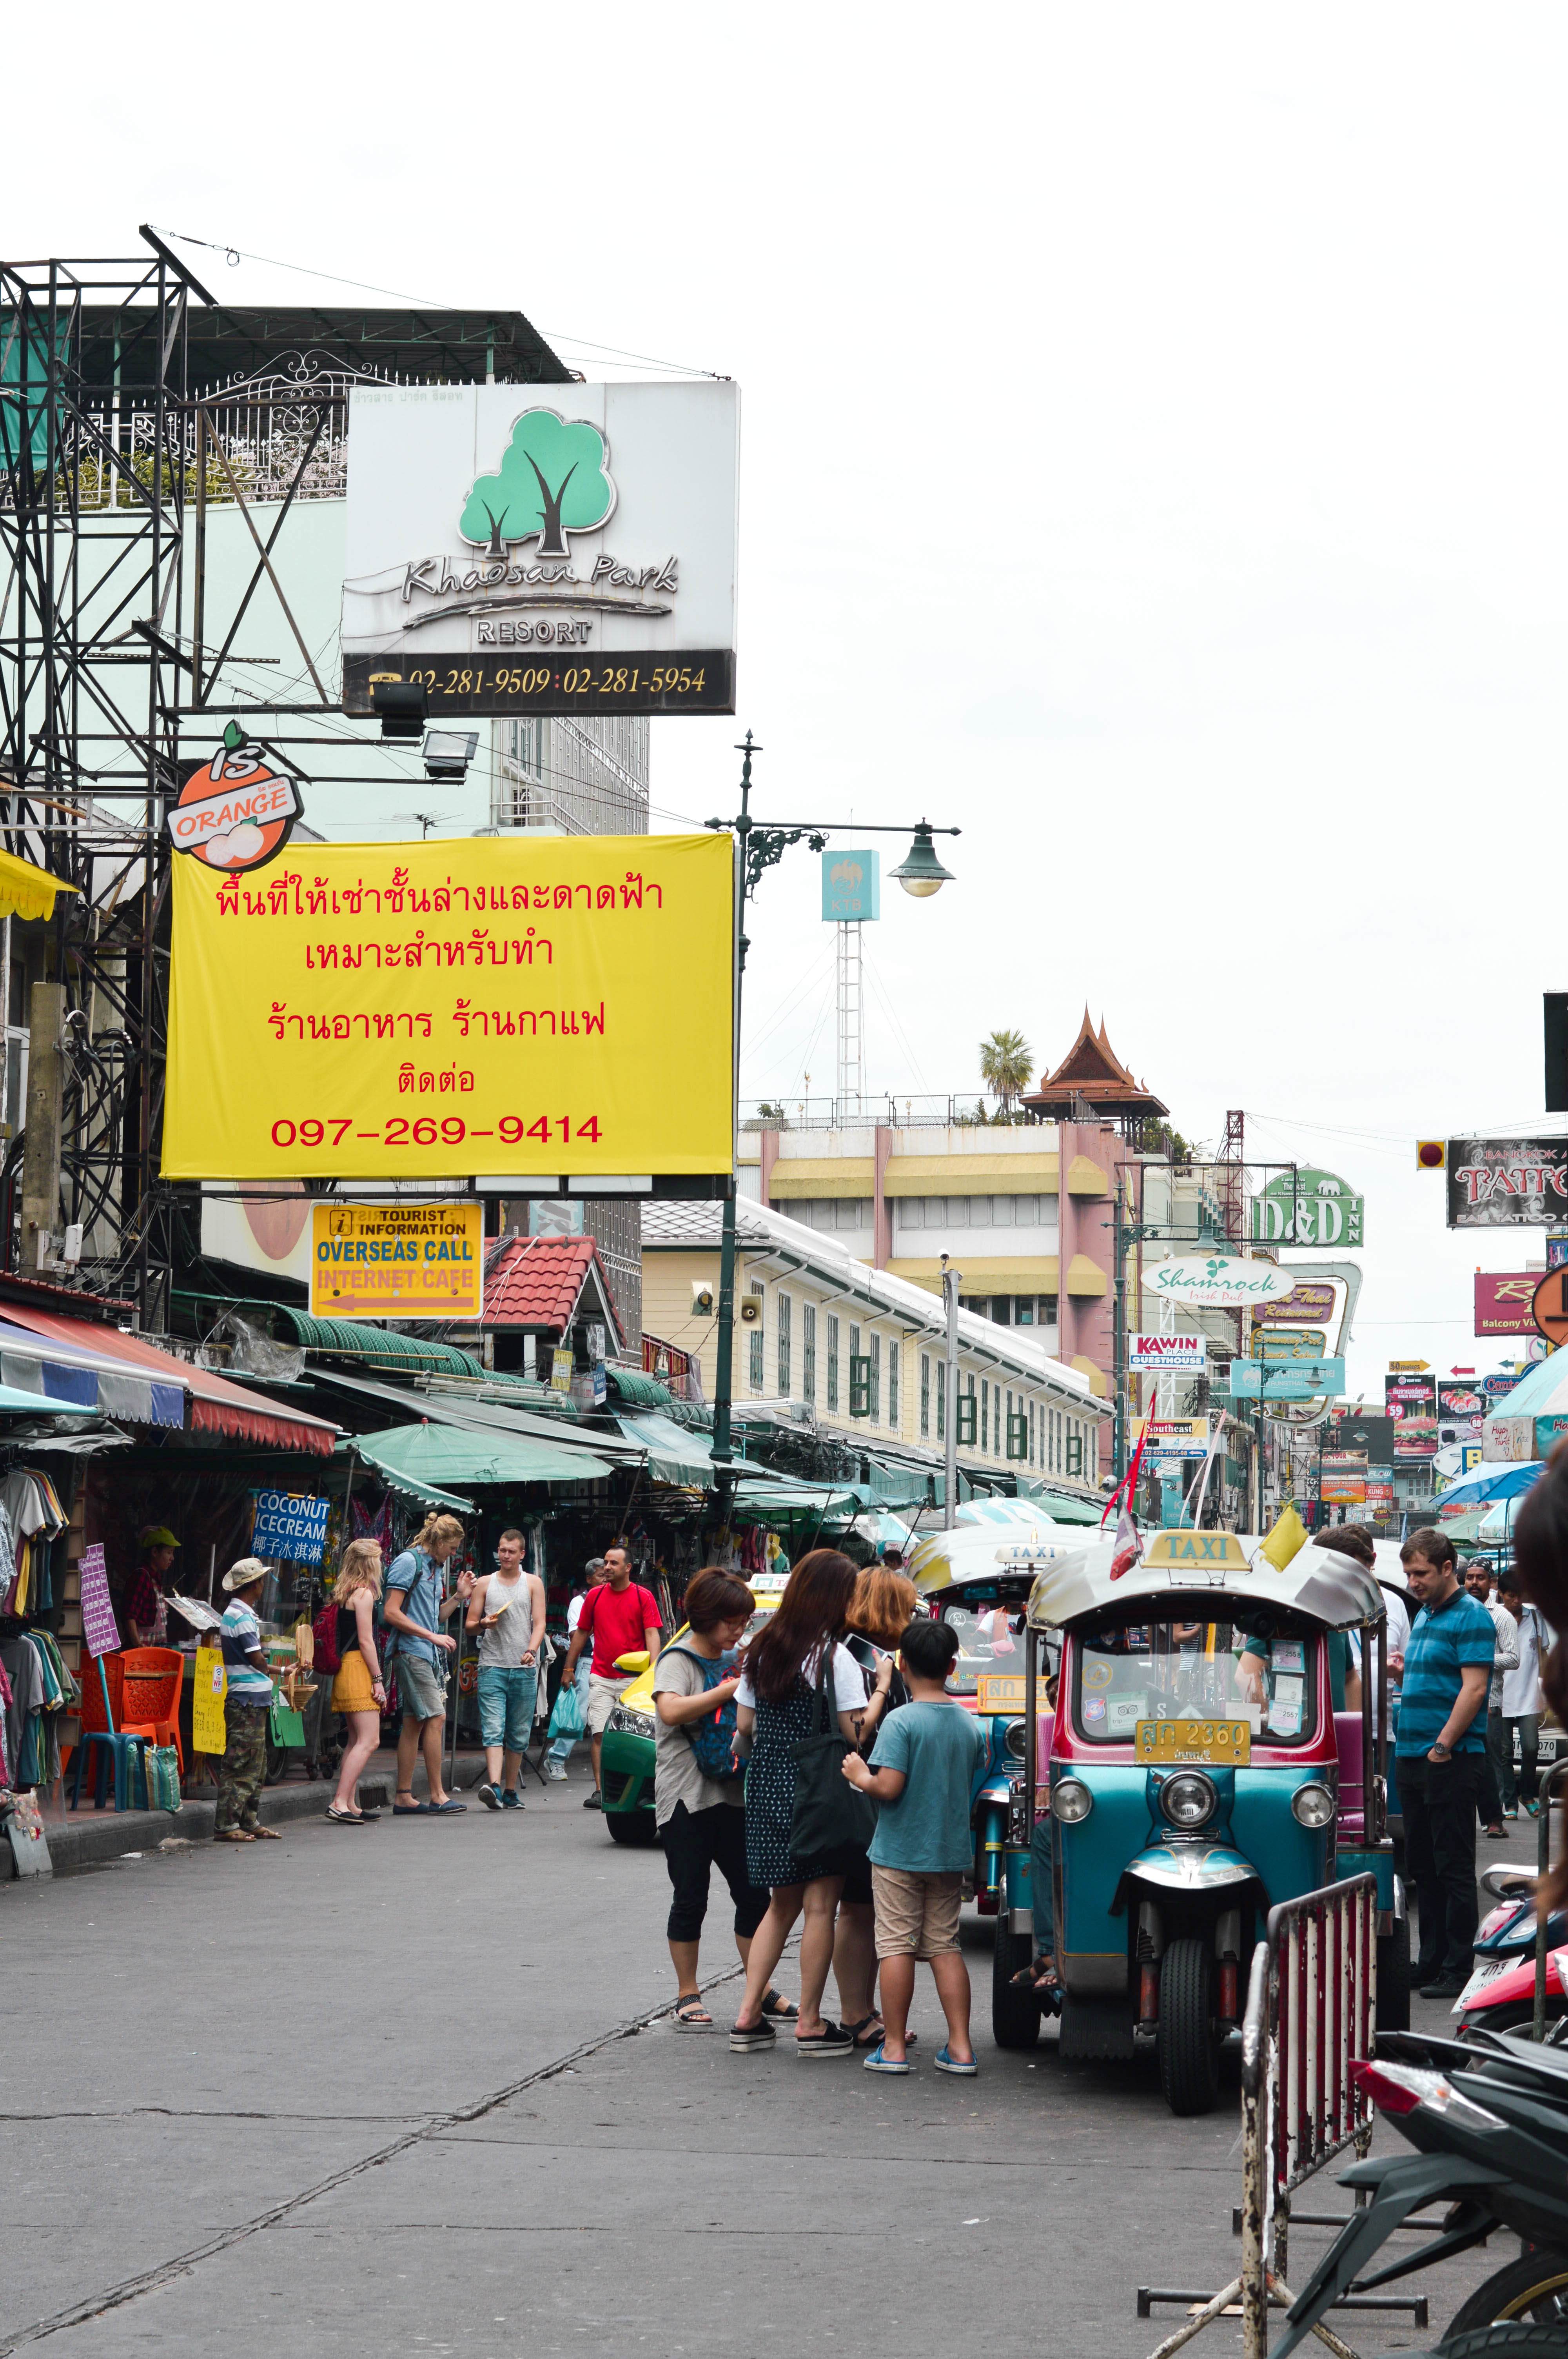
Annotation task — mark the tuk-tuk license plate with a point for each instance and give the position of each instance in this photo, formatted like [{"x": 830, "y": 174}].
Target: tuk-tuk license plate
[
  {"x": 1227, "y": 1743},
  {"x": 1001, "y": 1691}
]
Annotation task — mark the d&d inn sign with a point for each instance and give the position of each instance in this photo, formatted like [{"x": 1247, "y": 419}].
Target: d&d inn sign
[{"x": 1308, "y": 1207}]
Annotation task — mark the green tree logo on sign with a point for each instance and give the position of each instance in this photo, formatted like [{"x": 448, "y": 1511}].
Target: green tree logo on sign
[{"x": 554, "y": 480}]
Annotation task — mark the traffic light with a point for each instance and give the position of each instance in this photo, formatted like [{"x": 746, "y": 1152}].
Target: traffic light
[{"x": 1430, "y": 1155}]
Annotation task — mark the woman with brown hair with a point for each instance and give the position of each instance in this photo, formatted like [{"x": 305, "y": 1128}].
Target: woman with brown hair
[
  {"x": 1540, "y": 1560},
  {"x": 358, "y": 1691},
  {"x": 776, "y": 1706},
  {"x": 885, "y": 1604}
]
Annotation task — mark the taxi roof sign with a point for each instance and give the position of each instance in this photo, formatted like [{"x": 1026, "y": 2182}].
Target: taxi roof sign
[{"x": 1197, "y": 1552}]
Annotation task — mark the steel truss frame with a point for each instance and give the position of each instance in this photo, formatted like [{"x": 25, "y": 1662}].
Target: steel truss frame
[{"x": 93, "y": 498}]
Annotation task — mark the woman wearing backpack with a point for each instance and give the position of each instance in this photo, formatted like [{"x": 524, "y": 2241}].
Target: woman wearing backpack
[
  {"x": 358, "y": 1691},
  {"x": 701, "y": 1814}
]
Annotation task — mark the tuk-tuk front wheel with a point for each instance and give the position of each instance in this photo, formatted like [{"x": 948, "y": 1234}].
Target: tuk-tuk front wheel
[
  {"x": 1189, "y": 2051},
  {"x": 1015, "y": 2013}
]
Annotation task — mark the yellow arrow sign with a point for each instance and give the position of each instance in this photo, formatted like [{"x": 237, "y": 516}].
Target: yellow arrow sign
[{"x": 1408, "y": 1367}]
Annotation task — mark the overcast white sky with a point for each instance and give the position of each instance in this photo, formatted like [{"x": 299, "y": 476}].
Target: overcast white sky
[{"x": 1152, "y": 462}]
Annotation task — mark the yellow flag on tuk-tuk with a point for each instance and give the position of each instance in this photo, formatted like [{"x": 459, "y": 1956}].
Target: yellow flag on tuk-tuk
[
  {"x": 207, "y": 1734},
  {"x": 1287, "y": 1540}
]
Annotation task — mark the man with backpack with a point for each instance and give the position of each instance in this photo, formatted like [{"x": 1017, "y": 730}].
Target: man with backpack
[
  {"x": 698, "y": 1793},
  {"x": 619, "y": 1617}
]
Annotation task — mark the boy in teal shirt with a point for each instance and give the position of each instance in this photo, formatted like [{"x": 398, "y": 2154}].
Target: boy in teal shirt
[{"x": 921, "y": 1773}]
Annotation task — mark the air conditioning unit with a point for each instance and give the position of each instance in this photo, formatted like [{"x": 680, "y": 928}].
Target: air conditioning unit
[
  {"x": 750, "y": 1311},
  {"x": 701, "y": 1299}
]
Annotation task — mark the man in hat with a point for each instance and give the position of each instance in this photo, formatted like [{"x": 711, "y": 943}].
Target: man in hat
[
  {"x": 247, "y": 1701},
  {"x": 146, "y": 1613}
]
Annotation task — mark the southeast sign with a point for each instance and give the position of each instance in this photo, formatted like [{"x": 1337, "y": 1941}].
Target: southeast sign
[
  {"x": 1308, "y": 1207},
  {"x": 1225, "y": 1280},
  {"x": 1186, "y": 1355},
  {"x": 559, "y": 550}
]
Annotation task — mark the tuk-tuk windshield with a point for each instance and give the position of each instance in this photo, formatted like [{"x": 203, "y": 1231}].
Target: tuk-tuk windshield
[
  {"x": 1202, "y": 1671},
  {"x": 990, "y": 1640}
]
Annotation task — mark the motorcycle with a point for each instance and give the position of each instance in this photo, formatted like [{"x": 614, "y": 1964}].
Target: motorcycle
[
  {"x": 1488, "y": 2119},
  {"x": 1500, "y": 1992}
]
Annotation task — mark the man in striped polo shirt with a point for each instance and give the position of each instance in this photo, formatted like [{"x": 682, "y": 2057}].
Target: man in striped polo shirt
[{"x": 1441, "y": 1746}]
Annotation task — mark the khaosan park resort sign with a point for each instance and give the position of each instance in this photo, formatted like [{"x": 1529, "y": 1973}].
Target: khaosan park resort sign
[
  {"x": 1222, "y": 1280},
  {"x": 560, "y": 549}
]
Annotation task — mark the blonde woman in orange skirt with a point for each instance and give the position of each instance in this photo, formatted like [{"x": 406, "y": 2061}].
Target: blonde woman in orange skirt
[{"x": 358, "y": 1691}]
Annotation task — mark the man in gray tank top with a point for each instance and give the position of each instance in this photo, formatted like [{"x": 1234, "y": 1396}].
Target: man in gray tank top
[{"x": 508, "y": 1609}]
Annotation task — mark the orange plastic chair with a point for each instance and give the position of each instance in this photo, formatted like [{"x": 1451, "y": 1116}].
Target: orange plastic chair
[
  {"x": 149, "y": 1704},
  {"x": 89, "y": 1711}
]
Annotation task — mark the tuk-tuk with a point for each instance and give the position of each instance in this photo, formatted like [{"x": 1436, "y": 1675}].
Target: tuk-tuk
[
  {"x": 1196, "y": 1772},
  {"x": 968, "y": 1577}
]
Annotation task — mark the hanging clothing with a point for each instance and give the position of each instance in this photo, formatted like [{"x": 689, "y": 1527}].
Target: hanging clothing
[{"x": 21, "y": 1665}]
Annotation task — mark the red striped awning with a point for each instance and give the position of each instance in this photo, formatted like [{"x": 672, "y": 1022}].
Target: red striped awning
[{"x": 216, "y": 1404}]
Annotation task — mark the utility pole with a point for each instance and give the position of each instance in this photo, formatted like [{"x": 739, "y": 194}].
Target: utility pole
[
  {"x": 40, "y": 1154},
  {"x": 1118, "y": 1330},
  {"x": 724, "y": 1352},
  {"x": 951, "y": 1280}
]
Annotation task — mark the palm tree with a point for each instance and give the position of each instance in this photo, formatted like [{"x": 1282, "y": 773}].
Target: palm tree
[{"x": 1007, "y": 1063}]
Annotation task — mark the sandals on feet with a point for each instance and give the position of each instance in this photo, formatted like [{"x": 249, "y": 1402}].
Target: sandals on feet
[
  {"x": 868, "y": 2032},
  {"x": 692, "y": 2015},
  {"x": 781, "y": 2010},
  {"x": 232, "y": 1834},
  {"x": 265, "y": 1835},
  {"x": 746, "y": 2040}
]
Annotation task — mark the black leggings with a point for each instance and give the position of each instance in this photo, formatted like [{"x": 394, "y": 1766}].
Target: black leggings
[{"x": 696, "y": 1841}]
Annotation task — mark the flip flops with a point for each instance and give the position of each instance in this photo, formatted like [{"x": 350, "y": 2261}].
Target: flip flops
[{"x": 232, "y": 1834}]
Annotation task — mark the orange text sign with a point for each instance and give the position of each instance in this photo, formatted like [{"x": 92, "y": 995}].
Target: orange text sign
[{"x": 397, "y": 1261}]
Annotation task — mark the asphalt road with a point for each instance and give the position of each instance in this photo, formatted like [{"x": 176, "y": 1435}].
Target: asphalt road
[{"x": 409, "y": 2091}]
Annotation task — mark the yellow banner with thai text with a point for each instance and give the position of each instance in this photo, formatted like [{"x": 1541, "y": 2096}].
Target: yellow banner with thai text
[{"x": 489, "y": 1006}]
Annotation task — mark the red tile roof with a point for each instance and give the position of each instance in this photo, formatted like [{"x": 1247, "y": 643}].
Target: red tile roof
[{"x": 535, "y": 1282}]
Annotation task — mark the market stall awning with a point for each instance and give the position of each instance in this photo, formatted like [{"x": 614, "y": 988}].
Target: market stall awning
[
  {"x": 27, "y": 891},
  {"x": 674, "y": 1454},
  {"x": 216, "y": 1404},
  {"x": 71, "y": 1375},
  {"x": 768, "y": 1498},
  {"x": 477, "y": 1416},
  {"x": 27, "y": 1404},
  {"x": 416, "y": 1457}
]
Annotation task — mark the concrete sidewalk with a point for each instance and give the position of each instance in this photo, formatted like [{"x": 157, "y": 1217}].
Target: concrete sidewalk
[{"x": 416, "y": 2089}]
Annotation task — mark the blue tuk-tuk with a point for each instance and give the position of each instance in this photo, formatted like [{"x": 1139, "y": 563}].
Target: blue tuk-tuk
[{"x": 1198, "y": 1768}]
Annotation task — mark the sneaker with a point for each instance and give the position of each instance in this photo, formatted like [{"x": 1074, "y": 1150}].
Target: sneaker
[
  {"x": 489, "y": 1798},
  {"x": 555, "y": 1771},
  {"x": 510, "y": 1798},
  {"x": 877, "y": 2062},
  {"x": 1447, "y": 1985},
  {"x": 593, "y": 1801}
]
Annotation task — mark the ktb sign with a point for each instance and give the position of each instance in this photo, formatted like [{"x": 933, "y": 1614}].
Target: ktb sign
[{"x": 1308, "y": 1207}]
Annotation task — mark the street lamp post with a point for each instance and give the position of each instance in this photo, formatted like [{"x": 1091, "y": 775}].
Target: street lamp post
[
  {"x": 757, "y": 848},
  {"x": 951, "y": 1280}
]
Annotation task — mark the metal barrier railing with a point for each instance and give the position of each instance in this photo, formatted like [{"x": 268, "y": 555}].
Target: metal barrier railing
[{"x": 1311, "y": 2009}]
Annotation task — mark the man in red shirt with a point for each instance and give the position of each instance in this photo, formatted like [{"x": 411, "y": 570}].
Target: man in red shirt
[{"x": 620, "y": 1617}]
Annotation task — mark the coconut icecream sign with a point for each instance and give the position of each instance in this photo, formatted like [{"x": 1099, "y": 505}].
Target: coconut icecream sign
[{"x": 543, "y": 549}]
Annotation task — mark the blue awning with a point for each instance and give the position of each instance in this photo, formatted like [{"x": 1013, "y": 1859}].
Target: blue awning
[{"x": 79, "y": 1380}]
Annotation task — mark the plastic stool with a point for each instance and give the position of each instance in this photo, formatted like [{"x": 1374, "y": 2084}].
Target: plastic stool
[{"x": 111, "y": 1749}]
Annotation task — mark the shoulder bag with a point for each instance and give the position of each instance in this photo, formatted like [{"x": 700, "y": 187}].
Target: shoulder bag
[{"x": 830, "y": 1813}]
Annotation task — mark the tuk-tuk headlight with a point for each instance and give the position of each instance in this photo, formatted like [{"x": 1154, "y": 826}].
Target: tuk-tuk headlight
[
  {"x": 1312, "y": 1806},
  {"x": 1013, "y": 1739},
  {"x": 1189, "y": 1800},
  {"x": 1071, "y": 1800}
]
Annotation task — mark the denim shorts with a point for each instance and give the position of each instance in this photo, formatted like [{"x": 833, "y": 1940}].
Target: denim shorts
[
  {"x": 506, "y": 1704},
  {"x": 422, "y": 1687}
]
